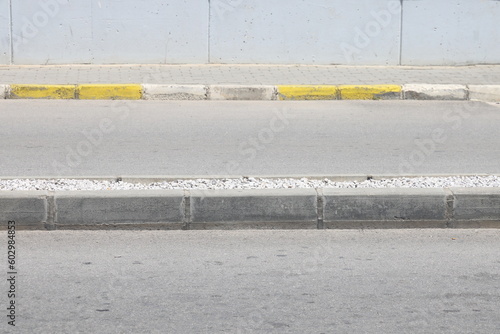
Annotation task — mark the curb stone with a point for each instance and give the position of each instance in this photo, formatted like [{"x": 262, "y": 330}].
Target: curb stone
[
  {"x": 3, "y": 91},
  {"x": 435, "y": 92},
  {"x": 473, "y": 206},
  {"x": 29, "y": 208},
  {"x": 384, "y": 208},
  {"x": 370, "y": 92},
  {"x": 490, "y": 93},
  {"x": 174, "y": 92},
  {"x": 486, "y": 93},
  {"x": 56, "y": 92},
  {"x": 119, "y": 208},
  {"x": 238, "y": 92},
  {"x": 109, "y": 92},
  {"x": 256, "y": 209},
  {"x": 277, "y": 208},
  {"x": 311, "y": 92}
]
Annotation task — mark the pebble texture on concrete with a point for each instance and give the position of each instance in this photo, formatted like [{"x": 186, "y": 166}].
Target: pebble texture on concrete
[{"x": 250, "y": 183}]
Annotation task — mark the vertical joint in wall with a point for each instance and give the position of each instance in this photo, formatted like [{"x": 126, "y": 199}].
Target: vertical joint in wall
[
  {"x": 11, "y": 34},
  {"x": 401, "y": 34},
  {"x": 209, "y": 25}
]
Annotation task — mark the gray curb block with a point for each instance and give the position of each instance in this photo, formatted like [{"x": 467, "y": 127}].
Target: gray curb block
[{"x": 253, "y": 209}]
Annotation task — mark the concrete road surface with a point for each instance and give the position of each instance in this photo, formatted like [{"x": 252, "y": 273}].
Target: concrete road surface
[
  {"x": 121, "y": 138},
  {"x": 407, "y": 281}
]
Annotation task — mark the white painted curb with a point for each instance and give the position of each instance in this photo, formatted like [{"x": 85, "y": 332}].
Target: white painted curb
[
  {"x": 3, "y": 91},
  {"x": 434, "y": 92},
  {"x": 174, "y": 92},
  {"x": 489, "y": 93},
  {"x": 240, "y": 92}
]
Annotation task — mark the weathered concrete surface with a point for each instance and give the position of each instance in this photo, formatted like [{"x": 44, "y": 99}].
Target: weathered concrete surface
[
  {"x": 484, "y": 93},
  {"x": 174, "y": 92},
  {"x": 384, "y": 208},
  {"x": 362, "y": 32},
  {"x": 3, "y": 91},
  {"x": 281, "y": 208},
  {"x": 476, "y": 205},
  {"x": 87, "y": 208},
  {"x": 68, "y": 32},
  {"x": 434, "y": 92},
  {"x": 240, "y": 92},
  {"x": 27, "y": 208},
  {"x": 57, "y": 92},
  {"x": 450, "y": 32},
  {"x": 298, "y": 32},
  {"x": 5, "y": 43}
]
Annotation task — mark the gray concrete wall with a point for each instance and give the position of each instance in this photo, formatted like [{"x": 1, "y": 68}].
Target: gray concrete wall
[
  {"x": 51, "y": 32},
  {"x": 4, "y": 32},
  {"x": 113, "y": 31},
  {"x": 368, "y": 32},
  {"x": 448, "y": 32},
  {"x": 320, "y": 31}
]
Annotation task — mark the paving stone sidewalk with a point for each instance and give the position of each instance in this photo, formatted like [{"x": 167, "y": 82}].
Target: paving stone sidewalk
[{"x": 249, "y": 74}]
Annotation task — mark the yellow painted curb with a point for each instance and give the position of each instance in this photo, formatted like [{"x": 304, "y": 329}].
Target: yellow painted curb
[
  {"x": 109, "y": 92},
  {"x": 308, "y": 92},
  {"x": 370, "y": 92},
  {"x": 56, "y": 92}
]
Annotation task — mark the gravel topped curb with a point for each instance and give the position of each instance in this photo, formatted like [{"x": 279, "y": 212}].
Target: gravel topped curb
[
  {"x": 323, "y": 207},
  {"x": 470, "y": 181}
]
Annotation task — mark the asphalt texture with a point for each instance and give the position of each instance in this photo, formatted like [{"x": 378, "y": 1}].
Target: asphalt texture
[
  {"x": 418, "y": 281},
  {"x": 232, "y": 138}
]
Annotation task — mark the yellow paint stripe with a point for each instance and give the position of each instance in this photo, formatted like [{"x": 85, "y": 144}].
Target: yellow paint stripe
[
  {"x": 42, "y": 92},
  {"x": 308, "y": 92},
  {"x": 370, "y": 92},
  {"x": 109, "y": 92}
]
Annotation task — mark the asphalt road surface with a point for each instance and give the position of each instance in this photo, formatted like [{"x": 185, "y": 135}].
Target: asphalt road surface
[
  {"x": 404, "y": 281},
  {"x": 155, "y": 138}
]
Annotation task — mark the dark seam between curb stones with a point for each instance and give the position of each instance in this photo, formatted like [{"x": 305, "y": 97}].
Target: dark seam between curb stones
[
  {"x": 450, "y": 205},
  {"x": 50, "y": 224},
  {"x": 320, "y": 208},
  {"x": 77, "y": 93},
  {"x": 186, "y": 203}
]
